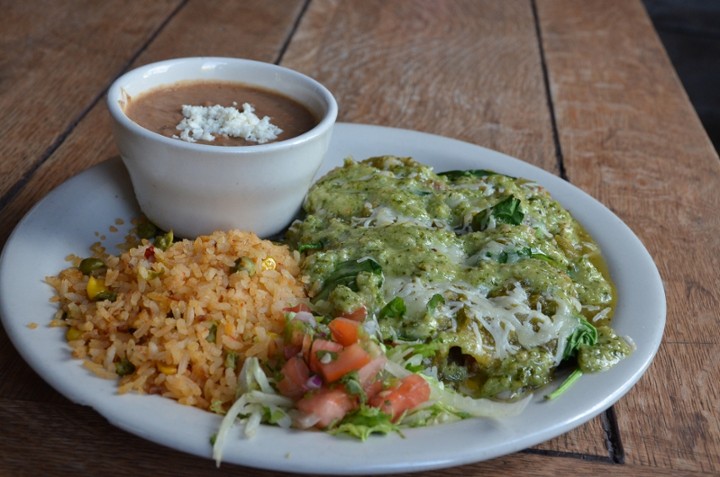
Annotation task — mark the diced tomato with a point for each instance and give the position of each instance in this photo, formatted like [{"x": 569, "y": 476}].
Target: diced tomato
[
  {"x": 316, "y": 348},
  {"x": 344, "y": 330},
  {"x": 351, "y": 358},
  {"x": 328, "y": 405},
  {"x": 295, "y": 374},
  {"x": 412, "y": 391},
  {"x": 358, "y": 314},
  {"x": 150, "y": 252},
  {"x": 373, "y": 389}
]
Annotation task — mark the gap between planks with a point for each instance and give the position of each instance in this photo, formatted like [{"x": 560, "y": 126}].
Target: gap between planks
[{"x": 291, "y": 33}]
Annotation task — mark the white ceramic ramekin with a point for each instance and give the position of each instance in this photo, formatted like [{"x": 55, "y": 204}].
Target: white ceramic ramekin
[{"x": 194, "y": 189}]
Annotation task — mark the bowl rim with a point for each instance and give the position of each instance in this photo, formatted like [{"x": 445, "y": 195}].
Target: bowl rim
[{"x": 116, "y": 91}]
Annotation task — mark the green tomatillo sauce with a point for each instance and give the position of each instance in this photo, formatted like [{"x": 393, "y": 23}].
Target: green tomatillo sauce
[{"x": 485, "y": 277}]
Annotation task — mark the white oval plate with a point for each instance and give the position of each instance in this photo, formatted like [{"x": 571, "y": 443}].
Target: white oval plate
[{"x": 68, "y": 219}]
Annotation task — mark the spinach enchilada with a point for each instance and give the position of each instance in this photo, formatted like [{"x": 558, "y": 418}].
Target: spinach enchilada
[{"x": 483, "y": 279}]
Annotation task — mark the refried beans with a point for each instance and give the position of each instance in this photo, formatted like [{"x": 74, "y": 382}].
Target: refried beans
[{"x": 160, "y": 110}]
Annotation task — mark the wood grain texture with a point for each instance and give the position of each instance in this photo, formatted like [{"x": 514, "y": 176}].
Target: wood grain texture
[
  {"x": 56, "y": 61},
  {"x": 18, "y": 381},
  {"x": 464, "y": 69},
  {"x": 252, "y": 29},
  {"x": 51, "y": 432},
  {"x": 461, "y": 68},
  {"x": 630, "y": 138},
  {"x": 677, "y": 409}
]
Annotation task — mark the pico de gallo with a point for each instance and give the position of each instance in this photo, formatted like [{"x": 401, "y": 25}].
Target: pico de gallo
[{"x": 335, "y": 375}]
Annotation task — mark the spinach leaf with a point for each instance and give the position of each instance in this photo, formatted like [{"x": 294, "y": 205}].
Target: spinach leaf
[
  {"x": 435, "y": 301},
  {"x": 395, "y": 308},
  {"x": 507, "y": 211},
  {"x": 346, "y": 274},
  {"x": 543, "y": 257},
  {"x": 525, "y": 252},
  {"x": 480, "y": 220},
  {"x": 584, "y": 334},
  {"x": 574, "y": 376}
]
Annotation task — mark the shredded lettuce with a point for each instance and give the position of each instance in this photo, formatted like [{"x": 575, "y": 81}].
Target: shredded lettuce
[
  {"x": 365, "y": 421},
  {"x": 432, "y": 415},
  {"x": 415, "y": 357},
  {"x": 257, "y": 402}
]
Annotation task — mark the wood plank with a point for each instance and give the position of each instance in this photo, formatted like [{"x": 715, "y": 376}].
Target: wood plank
[
  {"x": 52, "y": 439},
  {"x": 630, "y": 138},
  {"x": 587, "y": 441},
  {"x": 252, "y": 29},
  {"x": 679, "y": 411},
  {"x": 479, "y": 63},
  {"x": 18, "y": 381},
  {"x": 56, "y": 61}
]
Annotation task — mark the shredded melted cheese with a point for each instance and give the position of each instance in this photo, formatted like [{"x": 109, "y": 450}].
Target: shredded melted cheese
[{"x": 510, "y": 320}]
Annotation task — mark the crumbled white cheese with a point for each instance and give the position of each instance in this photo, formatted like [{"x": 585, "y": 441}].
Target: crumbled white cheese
[{"x": 205, "y": 122}]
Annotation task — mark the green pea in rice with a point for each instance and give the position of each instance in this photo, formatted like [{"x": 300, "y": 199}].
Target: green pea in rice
[{"x": 183, "y": 321}]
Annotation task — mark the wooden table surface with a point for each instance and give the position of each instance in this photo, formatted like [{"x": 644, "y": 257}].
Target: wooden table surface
[{"x": 581, "y": 89}]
